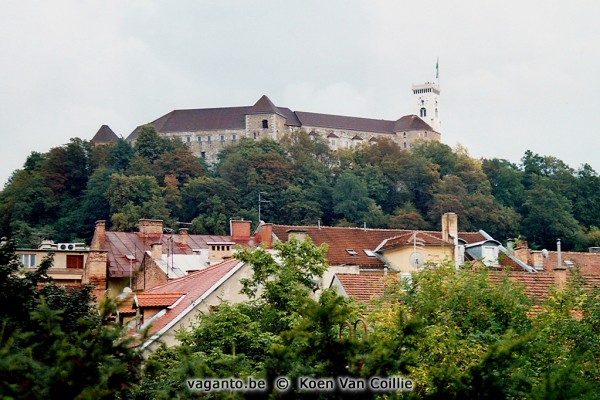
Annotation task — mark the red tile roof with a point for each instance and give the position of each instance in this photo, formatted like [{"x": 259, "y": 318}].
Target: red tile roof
[
  {"x": 339, "y": 239},
  {"x": 537, "y": 285},
  {"x": 193, "y": 285},
  {"x": 158, "y": 299},
  {"x": 264, "y": 105},
  {"x": 365, "y": 286},
  {"x": 121, "y": 244}
]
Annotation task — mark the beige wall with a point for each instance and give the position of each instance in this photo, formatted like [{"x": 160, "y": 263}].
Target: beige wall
[
  {"x": 399, "y": 258},
  {"x": 59, "y": 270},
  {"x": 228, "y": 291}
]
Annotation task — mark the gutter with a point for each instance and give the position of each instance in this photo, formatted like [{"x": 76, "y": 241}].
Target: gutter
[{"x": 505, "y": 251}]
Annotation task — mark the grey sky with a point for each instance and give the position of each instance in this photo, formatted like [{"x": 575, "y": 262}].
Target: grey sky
[{"x": 514, "y": 75}]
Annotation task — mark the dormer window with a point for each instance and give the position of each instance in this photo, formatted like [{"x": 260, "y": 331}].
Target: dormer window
[
  {"x": 265, "y": 124},
  {"x": 352, "y": 252}
]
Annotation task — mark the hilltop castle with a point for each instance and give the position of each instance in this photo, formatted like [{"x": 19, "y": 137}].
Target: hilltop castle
[{"x": 208, "y": 130}]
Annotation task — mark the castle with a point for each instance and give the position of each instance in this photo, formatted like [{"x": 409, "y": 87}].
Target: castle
[{"x": 208, "y": 130}]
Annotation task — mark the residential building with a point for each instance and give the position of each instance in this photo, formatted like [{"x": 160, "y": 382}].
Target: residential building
[{"x": 68, "y": 260}]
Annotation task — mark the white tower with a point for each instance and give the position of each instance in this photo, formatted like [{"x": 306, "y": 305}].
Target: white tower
[{"x": 427, "y": 104}]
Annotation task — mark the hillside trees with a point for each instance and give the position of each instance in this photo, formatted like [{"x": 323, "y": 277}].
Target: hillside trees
[{"x": 59, "y": 194}]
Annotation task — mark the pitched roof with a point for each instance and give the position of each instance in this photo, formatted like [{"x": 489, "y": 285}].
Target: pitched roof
[
  {"x": 120, "y": 245},
  {"x": 264, "y": 105},
  {"x": 339, "y": 239},
  {"x": 411, "y": 123},
  {"x": 105, "y": 135},
  {"x": 365, "y": 286},
  {"x": 537, "y": 285},
  {"x": 193, "y": 286},
  {"x": 408, "y": 238},
  {"x": 158, "y": 299},
  {"x": 208, "y": 119}
]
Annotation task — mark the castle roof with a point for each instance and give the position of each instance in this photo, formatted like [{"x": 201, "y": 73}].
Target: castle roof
[
  {"x": 105, "y": 135},
  {"x": 208, "y": 119}
]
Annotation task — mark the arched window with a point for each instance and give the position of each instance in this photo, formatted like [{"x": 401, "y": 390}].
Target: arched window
[
  {"x": 265, "y": 123},
  {"x": 423, "y": 112}
]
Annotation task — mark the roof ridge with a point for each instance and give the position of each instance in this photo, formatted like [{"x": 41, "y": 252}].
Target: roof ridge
[{"x": 193, "y": 274}]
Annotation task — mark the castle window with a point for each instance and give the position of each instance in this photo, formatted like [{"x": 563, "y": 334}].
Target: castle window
[
  {"x": 199, "y": 138},
  {"x": 233, "y": 137},
  {"x": 436, "y": 112},
  {"x": 209, "y": 139},
  {"x": 265, "y": 123},
  {"x": 423, "y": 112},
  {"x": 188, "y": 139},
  {"x": 404, "y": 135},
  {"x": 222, "y": 139},
  {"x": 203, "y": 155},
  {"x": 404, "y": 144}
]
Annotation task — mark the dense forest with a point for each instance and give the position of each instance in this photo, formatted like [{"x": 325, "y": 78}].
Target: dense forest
[{"x": 60, "y": 194}]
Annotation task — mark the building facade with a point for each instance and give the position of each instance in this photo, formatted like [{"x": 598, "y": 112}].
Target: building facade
[{"x": 207, "y": 131}]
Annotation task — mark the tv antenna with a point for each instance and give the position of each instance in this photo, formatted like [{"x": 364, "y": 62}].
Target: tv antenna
[{"x": 260, "y": 201}]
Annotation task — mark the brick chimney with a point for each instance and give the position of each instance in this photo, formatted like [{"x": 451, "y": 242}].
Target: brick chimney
[
  {"x": 151, "y": 227},
  {"x": 183, "y": 234},
  {"x": 240, "y": 229},
  {"x": 95, "y": 271},
  {"x": 99, "y": 236},
  {"x": 266, "y": 235},
  {"x": 449, "y": 226},
  {"x": 156, "y": 251}
]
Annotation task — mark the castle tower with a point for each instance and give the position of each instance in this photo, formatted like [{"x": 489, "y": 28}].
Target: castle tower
[{"x": 427, "y": 104}]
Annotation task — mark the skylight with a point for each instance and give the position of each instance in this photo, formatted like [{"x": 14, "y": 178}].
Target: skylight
[
  {"x": 352, "y": 252},
  {"x": 369, "y": 253}
]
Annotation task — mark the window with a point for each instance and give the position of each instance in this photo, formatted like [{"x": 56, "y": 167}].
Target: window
[
  {"x": 404, "y": 135},
  {"x": 233, "y": 137},
  {"x": 203, "y": 155},
  {"x": 404, "y": 144},
  {"x": 423, "y": 112},
  {"x": 199, "y": 138},
  {"x": 188, "y": 139},
  {"x": 209, "y": 139},
  {"x": 352, "y": 252},
  {"x": 75, "y": 261},
  {"x": 28, "y": 260},
  {"x": 265, "y": 124},
  {"x": 222, "y": 139},
  {"x": 369, "y": 253}
]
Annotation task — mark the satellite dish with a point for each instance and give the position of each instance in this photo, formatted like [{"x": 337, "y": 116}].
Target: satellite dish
[
  {"x": 417, "y": 260},
  {"x": 545, "y": 253}
]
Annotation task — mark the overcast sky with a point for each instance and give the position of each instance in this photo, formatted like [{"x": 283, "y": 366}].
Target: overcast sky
[{"x": 513, "y": 75}]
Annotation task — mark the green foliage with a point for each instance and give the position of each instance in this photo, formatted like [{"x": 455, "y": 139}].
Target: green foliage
[{"x": 54, "y": 343}]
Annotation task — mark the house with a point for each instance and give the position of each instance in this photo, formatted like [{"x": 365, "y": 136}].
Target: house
[
  {"x": 152, "y": 257},
  {"x": 69, "y": 260},
  {"x": 357, "y": 250},
  {"x": 166, "y": 308},
  {"x": 207, "y": 131}
]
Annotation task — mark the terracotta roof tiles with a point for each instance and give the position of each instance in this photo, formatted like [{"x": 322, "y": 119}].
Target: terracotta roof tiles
[
  {"x": 158, "y": 299},
  {"x": 365, "y": 286}
]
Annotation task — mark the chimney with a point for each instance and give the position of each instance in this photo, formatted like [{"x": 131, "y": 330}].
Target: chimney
[
  {"x": 99, "y": 236},
  {"x": 266, "y": 235},
  {"x": 156, "y": 251},
  {"x": 240, "y": 229},
  {"x": 151, "y": 227},
  {"x": 449, "y": 226},
  {"x": 183, "y": 232},
  {"x": 559, "y": 254}
]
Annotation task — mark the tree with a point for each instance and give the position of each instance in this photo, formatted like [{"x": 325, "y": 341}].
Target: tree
[
  {"x": 54, "y": 343},
  {"x": 351, "y": 198}
]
